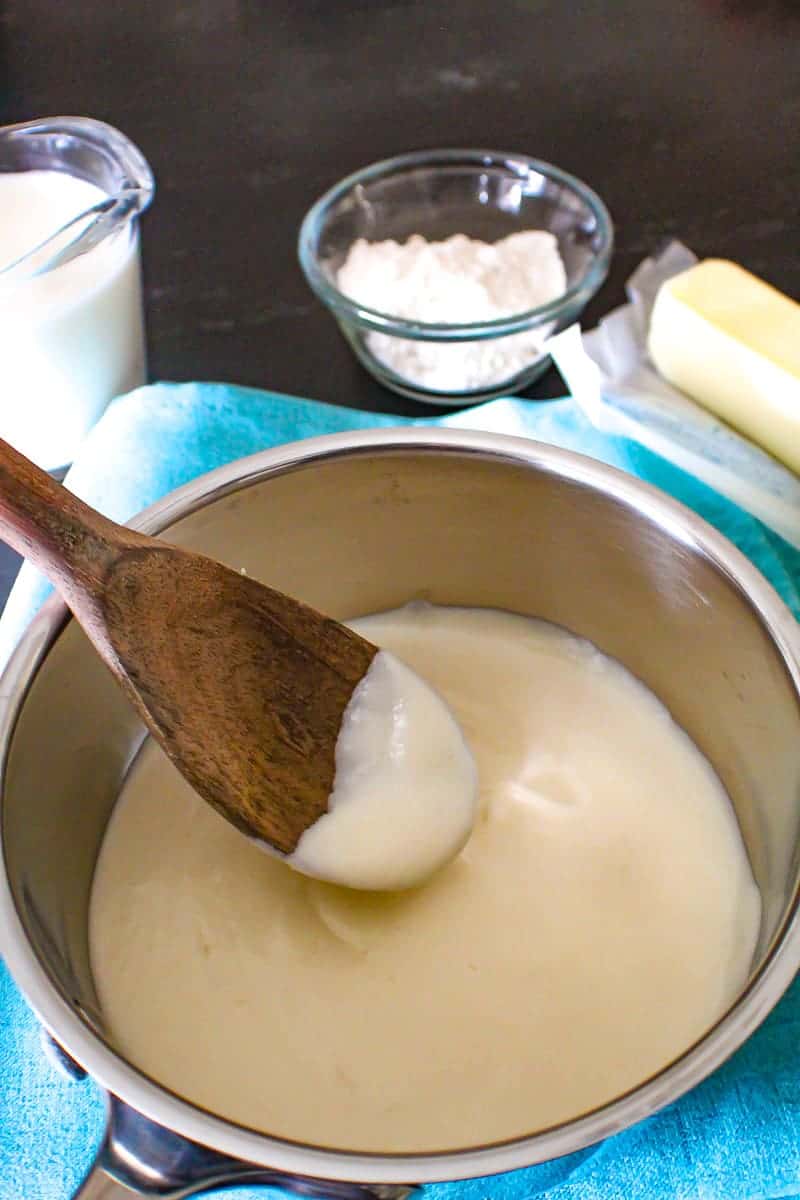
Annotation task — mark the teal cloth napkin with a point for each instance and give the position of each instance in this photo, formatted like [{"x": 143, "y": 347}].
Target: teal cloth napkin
[{"x": 735, "y": 1137}]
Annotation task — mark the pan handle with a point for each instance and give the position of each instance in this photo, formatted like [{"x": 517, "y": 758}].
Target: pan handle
[
  {"x": 100, "y": 1186},
  {"x": 138, "y": 1158}
]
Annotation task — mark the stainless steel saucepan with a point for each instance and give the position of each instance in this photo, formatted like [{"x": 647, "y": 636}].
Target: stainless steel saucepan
[{"x": 364, "y": 521}]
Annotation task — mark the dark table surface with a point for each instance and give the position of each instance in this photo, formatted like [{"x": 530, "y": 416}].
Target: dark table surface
[{"x": 683, "y": 114}]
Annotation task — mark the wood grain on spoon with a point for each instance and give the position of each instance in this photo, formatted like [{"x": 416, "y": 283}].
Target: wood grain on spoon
[{"x": 243, "y": 686}]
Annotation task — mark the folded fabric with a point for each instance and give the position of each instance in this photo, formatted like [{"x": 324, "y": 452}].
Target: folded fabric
[{"x": 735, "y": 1137}]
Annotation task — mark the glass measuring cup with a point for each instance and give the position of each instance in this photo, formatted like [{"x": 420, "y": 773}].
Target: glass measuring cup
[{"x": 71, "y": 324}]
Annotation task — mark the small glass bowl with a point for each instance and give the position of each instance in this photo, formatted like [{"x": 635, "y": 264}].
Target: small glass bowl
[{"x": 486, "y": 195}]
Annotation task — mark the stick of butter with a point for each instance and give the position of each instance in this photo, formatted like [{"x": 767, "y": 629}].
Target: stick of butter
[{"x": 732, "y": 343}]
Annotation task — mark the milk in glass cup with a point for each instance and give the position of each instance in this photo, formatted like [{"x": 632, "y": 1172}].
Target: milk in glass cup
[{"x": 71, "y": 322}]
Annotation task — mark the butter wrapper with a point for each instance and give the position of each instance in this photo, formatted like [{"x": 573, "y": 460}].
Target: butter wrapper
[{"x": 615, "y": 384}]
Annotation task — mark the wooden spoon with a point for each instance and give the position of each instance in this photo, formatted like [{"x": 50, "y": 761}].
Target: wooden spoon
[{"x": 244, "y": 687}]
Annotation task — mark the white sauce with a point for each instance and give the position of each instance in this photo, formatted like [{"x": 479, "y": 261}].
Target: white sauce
[
  {"x": 405, "y": 789},
  {"x": 601, "y": 917},
  {"x": 72, "y": 338},
  {"x": 457, "y": 281}
]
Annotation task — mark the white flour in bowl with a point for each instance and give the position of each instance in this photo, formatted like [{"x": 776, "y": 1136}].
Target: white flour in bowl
[{"x": 454, "y": 282}]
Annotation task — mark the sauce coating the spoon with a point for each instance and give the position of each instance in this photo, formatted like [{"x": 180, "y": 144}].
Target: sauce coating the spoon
[{"x": 405, "y": 791}]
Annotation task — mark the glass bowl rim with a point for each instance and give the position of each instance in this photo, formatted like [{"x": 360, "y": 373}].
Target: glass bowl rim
[{"x": 570, "y": 300}]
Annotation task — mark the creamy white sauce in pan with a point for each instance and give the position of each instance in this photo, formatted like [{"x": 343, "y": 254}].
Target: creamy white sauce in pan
[{"x": 600, "y": 918}]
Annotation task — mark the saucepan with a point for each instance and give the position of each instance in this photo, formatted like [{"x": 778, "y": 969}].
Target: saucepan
[{"x": 355, "y": 523}]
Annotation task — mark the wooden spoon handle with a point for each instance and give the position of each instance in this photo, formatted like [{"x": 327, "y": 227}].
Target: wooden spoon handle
[{"x": 61, "y": 535}]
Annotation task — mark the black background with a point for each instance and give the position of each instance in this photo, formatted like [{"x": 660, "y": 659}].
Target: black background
[{"x": 682, "y": 114}]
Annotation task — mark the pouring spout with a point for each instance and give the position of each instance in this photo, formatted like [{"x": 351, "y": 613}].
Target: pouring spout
[{"x": 92, "y": 151}]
